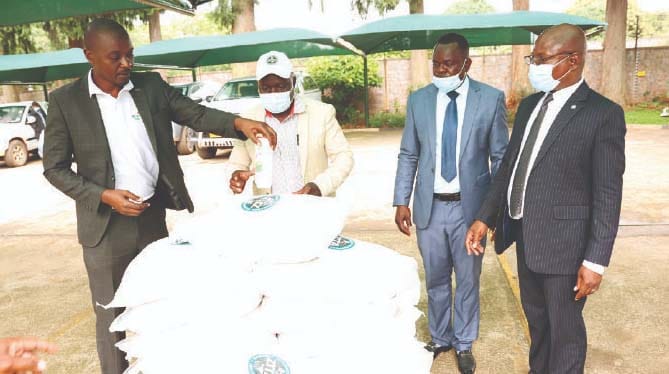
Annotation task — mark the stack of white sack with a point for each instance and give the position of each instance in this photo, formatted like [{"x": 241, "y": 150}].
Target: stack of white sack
[{"x": 261, "y": 287}]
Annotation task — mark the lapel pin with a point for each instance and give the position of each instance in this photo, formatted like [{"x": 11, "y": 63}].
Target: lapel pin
[{"x": 573, "y": 107}]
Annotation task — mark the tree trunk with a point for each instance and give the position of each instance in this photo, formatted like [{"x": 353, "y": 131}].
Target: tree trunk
[
  {"x": 75, "y": 43},
  {"x": 154, "y": 27},
  {"x": 244, "y": 22},
  {"x": 613, "y": 59},
  {"x": 520, "y": 86},
  {"x": 420, "y": 73}
]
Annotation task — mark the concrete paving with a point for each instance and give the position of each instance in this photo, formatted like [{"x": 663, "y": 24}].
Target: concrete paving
[{"x": 44, "y": 289}]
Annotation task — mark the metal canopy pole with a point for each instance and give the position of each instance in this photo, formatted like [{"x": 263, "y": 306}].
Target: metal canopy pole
[
  {"x": 194, "y": 73},
  {"x": 46, "y": 92},
  {"x": 366, "y": 92}
]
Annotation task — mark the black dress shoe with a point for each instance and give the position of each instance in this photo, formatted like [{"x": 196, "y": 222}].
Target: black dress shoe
[
  {"x": 437, "y": 349},
  {"x": 466, "y": 361}
]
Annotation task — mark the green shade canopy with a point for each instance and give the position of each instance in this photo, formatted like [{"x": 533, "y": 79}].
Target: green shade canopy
[
  {"x": 16, "y": 12},
  {"x": 421, "y": 31},
  {"x": 43, "y": 67},
  {"x": 188, "y": 52},
  {"x": 244, "y": 47}
]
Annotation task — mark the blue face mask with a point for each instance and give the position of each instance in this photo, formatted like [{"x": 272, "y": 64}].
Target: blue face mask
[{"x": 448, "y": 84}]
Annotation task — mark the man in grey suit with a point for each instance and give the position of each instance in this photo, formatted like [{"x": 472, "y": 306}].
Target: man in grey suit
[
  {"x": 454, "y": 138},
  {"x": 558, "y": 195},
  {"x": 117, "y": 127}
]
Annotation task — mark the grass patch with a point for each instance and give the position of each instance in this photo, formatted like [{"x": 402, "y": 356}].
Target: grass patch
[{"x": 645, "y": 116}]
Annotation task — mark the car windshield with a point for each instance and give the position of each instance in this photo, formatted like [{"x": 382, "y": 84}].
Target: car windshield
[
  {"x": 11, "y": 114},
  {"x": 237, "y": 90}
]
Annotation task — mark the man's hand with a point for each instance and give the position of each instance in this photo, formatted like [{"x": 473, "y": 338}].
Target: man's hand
[
  {"x": 19, "y": 355},
  {"x": 477, "y": 231},
  {"x": 403, "y": 219},
  {"x": 238, "y": 180},
  {"x": 309, "y": 189},
  {"x": 124, "y": 202},
  {"x": 587, "y": 282},
  {"x": 253, "y": 129}
]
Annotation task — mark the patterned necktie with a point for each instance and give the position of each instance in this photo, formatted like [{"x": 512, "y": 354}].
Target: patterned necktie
[
  {"x": 449, "y": 137},
  {"x": 518, "y": 186}
]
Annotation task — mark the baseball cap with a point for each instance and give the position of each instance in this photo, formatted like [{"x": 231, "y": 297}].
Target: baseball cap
[{"x": 273, "y": 62}]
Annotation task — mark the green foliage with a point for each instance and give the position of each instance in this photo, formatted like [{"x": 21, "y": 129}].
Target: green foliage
[
  {"x": 73, "y": 28},
  {"x": 199, "y": 25},
  {"x": 383, "y": 6},
  {"x": 470, "y": 7},
  {"x": 16, "y": 39},
  {"x": 650, "y": 24},
  {"x": 225, "y": 13},
  {"x": 387, "y": 119},
  {"x": 342, "y": 80}
]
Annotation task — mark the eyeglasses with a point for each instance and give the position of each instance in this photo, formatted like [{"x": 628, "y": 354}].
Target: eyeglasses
[{"x": 531, "y": 59}]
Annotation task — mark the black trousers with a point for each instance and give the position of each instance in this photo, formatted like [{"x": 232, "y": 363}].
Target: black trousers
[
  {"x": 557, "y": 330},
  {"x": 105, "y": 263}
]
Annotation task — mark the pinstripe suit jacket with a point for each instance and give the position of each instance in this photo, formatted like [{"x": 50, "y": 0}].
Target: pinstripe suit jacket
[{"x": 574, "y": 190}]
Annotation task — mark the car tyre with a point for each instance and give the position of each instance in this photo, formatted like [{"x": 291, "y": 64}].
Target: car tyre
[
  {"x": 206, "y": 153},
  {"x": 16, "y": 154},
  {"x": 185, "y": 146}
]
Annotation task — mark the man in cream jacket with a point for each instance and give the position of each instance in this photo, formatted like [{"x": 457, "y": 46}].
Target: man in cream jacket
[{"x": 312, "y": 155}]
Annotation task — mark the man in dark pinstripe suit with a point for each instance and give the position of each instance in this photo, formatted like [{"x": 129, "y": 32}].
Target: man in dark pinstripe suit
[{"x": 558, "y": 196}]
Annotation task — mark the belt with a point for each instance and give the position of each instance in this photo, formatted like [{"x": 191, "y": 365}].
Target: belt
[{"x": 447, "y": 196}]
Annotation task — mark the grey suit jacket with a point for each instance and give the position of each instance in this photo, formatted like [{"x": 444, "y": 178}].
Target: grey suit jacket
[
  {"x": 75, "y": 132},
  {"x": 574, "y": 190},
  {"x": 484, "y": 140}
]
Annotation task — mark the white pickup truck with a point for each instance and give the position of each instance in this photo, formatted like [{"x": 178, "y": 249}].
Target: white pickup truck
[{"x": 17, "y": 131}]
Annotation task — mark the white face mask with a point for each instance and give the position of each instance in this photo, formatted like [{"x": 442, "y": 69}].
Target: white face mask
[
  {"x": 277, "y": 102},
  {"x": 448, "y": 84},
  {"x": 541, "y": 76}
]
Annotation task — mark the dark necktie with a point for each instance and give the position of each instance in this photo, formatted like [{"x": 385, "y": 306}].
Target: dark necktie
[
  {"x": 518, "y": 186},
  {"x": 449, "y": 137}
]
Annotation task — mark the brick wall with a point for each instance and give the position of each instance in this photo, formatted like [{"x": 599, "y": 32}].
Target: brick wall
[
  {"x": 495, "y": 70},
  {"x": 492, "y": 69}
]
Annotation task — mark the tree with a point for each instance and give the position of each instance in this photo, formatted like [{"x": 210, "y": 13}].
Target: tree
[
  {"x": 342, "y": 80},
  {"x": 75, "y": 27},
  {"x": 240, "y": 16},
  {"x": 650, "y": 24},
  {"x": 613, "y": 59},
  {"x": 155, "y": 32},
  {"x": 470, "y": 7},
  {"x": 520, "y": 86},
  {"x": 419, "y": 70},
  {"x": 420, "y": 73}
]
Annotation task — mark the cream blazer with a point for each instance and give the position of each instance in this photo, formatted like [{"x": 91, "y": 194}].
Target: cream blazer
[{"x": 325, "y": 155}]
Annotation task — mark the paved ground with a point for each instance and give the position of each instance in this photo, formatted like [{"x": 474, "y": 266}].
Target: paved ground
[{"x": 44, "y": 291}]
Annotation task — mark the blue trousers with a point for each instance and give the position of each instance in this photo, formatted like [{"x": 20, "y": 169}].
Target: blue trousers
[{"x": 452, "y": 321}]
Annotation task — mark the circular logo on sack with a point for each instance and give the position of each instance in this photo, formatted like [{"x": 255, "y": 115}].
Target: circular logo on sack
[
  {"x": 340, "y": 243},
  {"x": 260, "y": 203},
  {"x": 267, "y": 364}
]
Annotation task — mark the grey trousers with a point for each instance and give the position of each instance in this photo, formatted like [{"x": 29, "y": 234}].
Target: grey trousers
[
  {"x": 105, "y": 263},
  {"x": 452, "y": 322},
  {"x": 557, "y": 330}
]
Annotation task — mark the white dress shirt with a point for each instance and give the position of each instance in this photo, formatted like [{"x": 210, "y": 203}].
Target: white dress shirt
[
  {"x": 135, "y": 162},
  {"x": 560, "y": 97},
  {"x": 440, "y": 184},
  {"x": 286, "y": 169}
]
